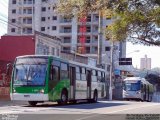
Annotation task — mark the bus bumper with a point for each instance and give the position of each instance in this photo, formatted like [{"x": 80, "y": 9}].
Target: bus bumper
[{"x": 29, "y": 97}]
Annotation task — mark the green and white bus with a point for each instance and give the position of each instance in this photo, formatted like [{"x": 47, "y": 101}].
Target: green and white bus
[{"x": 42, "y": 78}]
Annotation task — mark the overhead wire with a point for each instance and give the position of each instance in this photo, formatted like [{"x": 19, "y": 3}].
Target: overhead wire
[{"x": 3, "y": 16}]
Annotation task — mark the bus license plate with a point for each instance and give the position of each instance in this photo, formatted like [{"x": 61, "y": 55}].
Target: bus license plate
[{"x": 26, "y": 95}]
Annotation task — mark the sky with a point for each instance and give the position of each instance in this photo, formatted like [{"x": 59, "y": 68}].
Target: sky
[{"x": 151, "y": 52}]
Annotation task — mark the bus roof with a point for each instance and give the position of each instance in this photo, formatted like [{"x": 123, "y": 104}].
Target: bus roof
[
  {"x": 85, "y": 65},
  {"x": 63, "y": 60},
  {"x": 25, "y": 56},
  {"x": 143, "y": 80}
]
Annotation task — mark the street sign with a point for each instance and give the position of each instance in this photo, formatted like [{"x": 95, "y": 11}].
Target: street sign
[
  {"x": 125, "y": 61},
  {"x": 117, "y": 72}
]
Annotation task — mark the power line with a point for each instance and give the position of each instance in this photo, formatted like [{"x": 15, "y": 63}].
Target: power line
[{"x": 9, "y": 23}]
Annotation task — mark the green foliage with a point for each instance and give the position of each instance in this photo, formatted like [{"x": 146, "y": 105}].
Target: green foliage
[
  {"x": 80, "y": 7},
  {"x": 137, "y": 21},
  {"x": 153, "y": 79}
]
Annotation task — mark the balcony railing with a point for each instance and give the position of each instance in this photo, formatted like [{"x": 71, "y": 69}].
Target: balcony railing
[
  {"x": 65, "y": 21},
  {"x": 66, "y": 31}
]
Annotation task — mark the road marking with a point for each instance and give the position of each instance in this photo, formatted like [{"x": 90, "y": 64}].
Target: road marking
[{"x": 90, "y": 116}]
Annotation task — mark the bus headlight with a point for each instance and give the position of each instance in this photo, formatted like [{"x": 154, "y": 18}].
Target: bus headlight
[
  {"x": 138, "y": 92},
  {"x": 42, "y": 91},
  {"x": 14, "y": 91}
]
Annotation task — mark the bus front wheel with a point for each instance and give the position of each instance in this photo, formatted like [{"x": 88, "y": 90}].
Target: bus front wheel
[
  {"x": 64, "y": 97},
  {"x": 32, "y": 103}
]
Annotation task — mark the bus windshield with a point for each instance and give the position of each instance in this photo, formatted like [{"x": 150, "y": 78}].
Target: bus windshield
[
  {"x": 30, "y": 72},
  {"x": 132, "y": 86}
]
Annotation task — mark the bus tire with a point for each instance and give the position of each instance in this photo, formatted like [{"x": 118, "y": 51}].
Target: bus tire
[
  {"x": 32, "y": 103},
  {"x": 64, "y": 97},
  {"x": 95, "y": 96}
]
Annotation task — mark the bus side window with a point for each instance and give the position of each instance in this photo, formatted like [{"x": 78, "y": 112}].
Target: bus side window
[
  {"x": 99, "y": 76},
  {"x": 64, "y": 71},
  {"x": 83, "y": 74},
  {"x": 142, "y": 89},
  {"x": 102, "y": 77},
  {"x": 94, "y": 76},
  {"x": 55, "y": 73},
  {"x": 78, "y": 75}
]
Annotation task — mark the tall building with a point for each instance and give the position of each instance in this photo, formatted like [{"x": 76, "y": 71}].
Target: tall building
[
  {"x": 145, "y": 63},
  {"x": 26, "y": 16}
]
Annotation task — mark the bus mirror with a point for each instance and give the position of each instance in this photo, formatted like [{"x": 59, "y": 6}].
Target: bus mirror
[{"x": 8, "y": 67}]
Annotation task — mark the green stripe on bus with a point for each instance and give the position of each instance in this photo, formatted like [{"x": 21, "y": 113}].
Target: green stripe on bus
[{"x": 55, "y": 93}]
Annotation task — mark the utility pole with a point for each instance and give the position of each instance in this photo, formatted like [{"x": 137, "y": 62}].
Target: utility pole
[
  {"x": 99, "y": 61},
  {"x": 111, "y": 70}
]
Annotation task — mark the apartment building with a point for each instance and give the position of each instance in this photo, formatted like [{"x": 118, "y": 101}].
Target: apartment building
[
  {"x": 145, "y": 63},
  {"x": 25, "y": 16}
]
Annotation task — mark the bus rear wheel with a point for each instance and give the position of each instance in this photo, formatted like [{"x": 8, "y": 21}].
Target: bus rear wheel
[
  {"x": 95, "y": 96},
  {"x": 32, "y": 103}
]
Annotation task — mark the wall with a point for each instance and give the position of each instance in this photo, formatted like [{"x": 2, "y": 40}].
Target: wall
[{"x": 10, "y": 48}]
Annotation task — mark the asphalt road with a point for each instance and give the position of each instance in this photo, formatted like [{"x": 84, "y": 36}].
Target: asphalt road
[{"x": 103, "y": 110}]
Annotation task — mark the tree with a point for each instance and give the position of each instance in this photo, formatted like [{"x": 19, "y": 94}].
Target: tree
[
  {"x": 153, "y": 78},
  {"x": 80, "y": 7},
  {"x": 137, "y": 21}
]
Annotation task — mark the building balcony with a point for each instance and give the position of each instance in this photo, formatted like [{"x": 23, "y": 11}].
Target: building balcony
[{"x": 65, "y": 21}]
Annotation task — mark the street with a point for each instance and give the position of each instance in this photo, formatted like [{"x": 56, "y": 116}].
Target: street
[{"x": 81, "y": 111}]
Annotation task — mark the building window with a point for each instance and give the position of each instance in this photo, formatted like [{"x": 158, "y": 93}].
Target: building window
[
  {"x": 89, "y": 18},
  {"x": 88, "y": 29},
  {"x": 28, "y": 1},
  {"x": 43, "y": 19},
  {"x": 29, "y": 30},
  {"x": 44, "y": 0},
  {"x": 67, "y": 39},
  {"x": 66, "y": 49},
  {"x": 95, "y": 49},
  {"x": 43, "y": 9},
  {"x": 65, "y": 20},
  {"x": 42, "y": 28},
  {"x": 13, "y": 1},
  {"x": 54, "y": 27},
  {"x": 29, "y": 11},
  {"x": 48, "y": 18},
  {"x": 14, "y": 11},
  {"x": 13, "y": 30},
  {"x": 67, "y": 29},
  {"x": 27, "y": 20},
  {"x": 88, "y": 39},
  {"x": 97, "y": 17},
  {"x": 107, "y": 48},
  {"x": 54, "y": 17},
  {"x": 87, "y": 49},
  {"x": 13, "y": 20}
]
